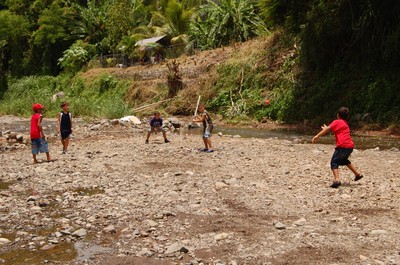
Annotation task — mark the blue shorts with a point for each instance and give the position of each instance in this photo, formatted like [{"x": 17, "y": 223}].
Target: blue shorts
[
  {"x": 207, "y": 131},
  {"x": 341, "y": 157},
  {"x": 39, "y": 145}
]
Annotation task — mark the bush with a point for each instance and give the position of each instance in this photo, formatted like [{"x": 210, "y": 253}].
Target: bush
[
  {"x": 76, "y": 56},
  {"x": 102, "y": 97}
]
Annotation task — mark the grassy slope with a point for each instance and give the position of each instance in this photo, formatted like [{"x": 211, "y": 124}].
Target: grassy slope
[{"x": 233, "y": 81}]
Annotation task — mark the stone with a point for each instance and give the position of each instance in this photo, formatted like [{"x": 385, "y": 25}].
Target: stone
[
  {"x": 4, "y": 241},
  {"x": 32, "y": 198},
  {"x": 80, "y": 232},
  {"x": 300, "y": 222},
  {"x": 221, "y": 236},
  {"x": 220, "y": 185},
  {"x": 109, "y": 229},
  {"x": 58, "y": 95},
  {"x": 131, "y": 119},
  {"x": 47, "y": 247},
  {"x": 95, "y": 127},
  {"x": 176, "y": 247},
  {"x": 36, "y": 209},
  {"x": 150, "y": 223},
  {"x": 145, "y": 252},
  {"x": 378, "y": 232},
  {"x": 280, "y": 226},
  {"x": 175, "y": 122}
]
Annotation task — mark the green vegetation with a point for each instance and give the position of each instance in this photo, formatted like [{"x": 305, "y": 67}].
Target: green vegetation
[
  {"x": 224, "y": 22},
  {"x": 323, "y": 54},
  {"x": 102, "y": 97}
]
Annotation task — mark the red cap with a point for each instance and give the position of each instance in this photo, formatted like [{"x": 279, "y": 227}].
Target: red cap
[{"x": 37, "y": 106}]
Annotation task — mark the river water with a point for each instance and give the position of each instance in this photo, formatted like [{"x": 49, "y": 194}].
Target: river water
[{"x": 362, "y": 142}]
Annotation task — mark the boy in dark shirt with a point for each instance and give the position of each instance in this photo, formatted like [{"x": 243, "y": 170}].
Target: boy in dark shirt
[
  {"x": 156, "y": 124},
  {"x": 65, "y": 126}
]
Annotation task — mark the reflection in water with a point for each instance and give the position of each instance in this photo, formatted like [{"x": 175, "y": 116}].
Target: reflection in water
[{"x": 87, "y": 252}]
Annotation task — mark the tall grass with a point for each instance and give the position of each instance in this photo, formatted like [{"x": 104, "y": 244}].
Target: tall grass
[{"x": 101, "y": 98}]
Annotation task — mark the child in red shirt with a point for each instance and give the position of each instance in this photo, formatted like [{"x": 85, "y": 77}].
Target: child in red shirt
[
  {"x": 39, "y": 144},
  {"x": 344, "y": 145}
]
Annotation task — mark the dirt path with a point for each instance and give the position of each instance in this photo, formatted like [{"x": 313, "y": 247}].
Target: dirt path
[{"x": 253, "y": 201}]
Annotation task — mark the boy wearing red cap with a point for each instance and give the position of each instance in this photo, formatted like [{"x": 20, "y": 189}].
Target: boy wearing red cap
[{"x": 39, "y": 144}]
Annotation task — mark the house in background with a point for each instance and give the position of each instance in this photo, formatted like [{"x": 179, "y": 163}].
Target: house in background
[{"x": 153, "y": 48}]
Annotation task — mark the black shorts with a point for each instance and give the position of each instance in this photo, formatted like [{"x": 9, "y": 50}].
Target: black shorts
[
  {"x": 65, "y": 134},
  {"x": 341, "y": 157}
]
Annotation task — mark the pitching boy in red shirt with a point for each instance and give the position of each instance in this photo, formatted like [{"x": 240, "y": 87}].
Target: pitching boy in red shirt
[{"x": 344, "y": 145}]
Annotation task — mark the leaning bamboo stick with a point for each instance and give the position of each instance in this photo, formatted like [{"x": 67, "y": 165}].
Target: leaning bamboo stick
[{"x": 149, "y": 105}]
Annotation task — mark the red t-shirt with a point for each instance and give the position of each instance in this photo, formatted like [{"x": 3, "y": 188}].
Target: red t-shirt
[
  {"x": 35, "y": 132},
  {"x": 342, "y": 133}
]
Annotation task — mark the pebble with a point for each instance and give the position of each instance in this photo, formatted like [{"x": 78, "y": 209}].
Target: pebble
[{"x": 4, "y": 241}]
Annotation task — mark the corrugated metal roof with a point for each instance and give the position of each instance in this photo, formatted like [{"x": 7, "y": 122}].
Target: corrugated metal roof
[{"x": 149, "y": 40}]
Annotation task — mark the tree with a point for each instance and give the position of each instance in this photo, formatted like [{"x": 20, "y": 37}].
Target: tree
[
  {"x": 49, "y": 40},
  {"x": 225, "y": 22},
  {"x": 122, "y": 17},
  {"x": 177, "y": 18},
  {"x": 14, "y": 32},
  {"x": 288, "y": 13},
  {"x": 88, "y": 23}
]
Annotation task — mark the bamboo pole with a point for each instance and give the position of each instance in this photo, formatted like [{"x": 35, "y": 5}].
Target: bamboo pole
[
  {"x": 197, "y": 106},
  {"x": 149, "y": 105}
]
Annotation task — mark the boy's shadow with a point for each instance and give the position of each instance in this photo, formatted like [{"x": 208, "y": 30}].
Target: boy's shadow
[
  {"x": 158, "y": 142},
  {"x": 349, "y": 184}
]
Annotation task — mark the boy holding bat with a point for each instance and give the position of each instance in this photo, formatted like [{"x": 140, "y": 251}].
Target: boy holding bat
[{"x": 205, "y": 118}]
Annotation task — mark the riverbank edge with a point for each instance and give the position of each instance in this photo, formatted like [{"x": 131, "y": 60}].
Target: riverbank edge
[{"x": 392, "y": 132}]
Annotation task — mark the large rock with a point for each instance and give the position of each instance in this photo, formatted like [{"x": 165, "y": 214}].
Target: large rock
[
  {"x": 131, "y": 119},
  {"x": 175, "y": 122},
  {"x": 58, "y": 95}
]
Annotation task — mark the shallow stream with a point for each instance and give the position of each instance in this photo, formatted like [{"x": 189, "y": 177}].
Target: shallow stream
[{"x": 362, "y": 142}]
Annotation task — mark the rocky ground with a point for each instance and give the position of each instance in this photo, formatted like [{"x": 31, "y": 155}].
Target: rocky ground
[{"x": 115, "y": 200}]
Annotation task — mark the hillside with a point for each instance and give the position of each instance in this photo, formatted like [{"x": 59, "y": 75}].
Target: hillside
[{"x": 148, "y": 82}]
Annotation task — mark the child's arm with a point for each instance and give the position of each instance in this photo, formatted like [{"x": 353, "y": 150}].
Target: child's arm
[
  {"x": 71, "y": 122},
  {"x": 40, "y": 126},
  {"x": 199, "y": 118},
  {"x": 325, "y": 130},
  {"x": 58, "y": 123}
]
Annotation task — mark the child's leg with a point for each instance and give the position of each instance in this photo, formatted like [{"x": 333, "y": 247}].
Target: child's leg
[
  {"x": 164, "y": 135},
  {"x": 35, "y": 149},
  {"x": 48, "y": 156},
  {"x": 209, "y": 144},
  {"x": 148, "y": 135},
  {"x": 34, "y": 159},
  {"x": 353, "y": 169},
  {"x": 336, "y": 174},
  {"x": 66, "y": 143},
  {"x": 205, "y": 143},
  {"x": 63, "y": 144}
]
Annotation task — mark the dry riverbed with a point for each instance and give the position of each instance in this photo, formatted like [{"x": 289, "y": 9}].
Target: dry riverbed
[{"x": 115, "y": 200}]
